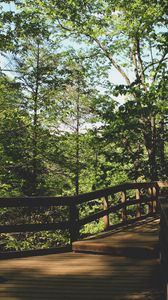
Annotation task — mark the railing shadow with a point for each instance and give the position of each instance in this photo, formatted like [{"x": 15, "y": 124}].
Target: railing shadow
[{"x": 78, "y": 276}]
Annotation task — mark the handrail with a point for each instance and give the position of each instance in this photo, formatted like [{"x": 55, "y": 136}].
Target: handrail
[
  {"x": 78, "y": 199},
  {"x": 74, "y": 223},
  {"x": 112, "y": 209},
  {"x": 164, "y": 241}
]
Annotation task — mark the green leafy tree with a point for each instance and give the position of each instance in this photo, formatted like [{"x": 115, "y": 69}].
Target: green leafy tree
[
  {"x": 75, "y": 116},
  {"x": 131, "y": 36}
]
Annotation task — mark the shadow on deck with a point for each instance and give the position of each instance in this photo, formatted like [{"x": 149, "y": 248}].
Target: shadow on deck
[
  {"x": 72, "y": 276},
  {"x": 139, "y": 240}
]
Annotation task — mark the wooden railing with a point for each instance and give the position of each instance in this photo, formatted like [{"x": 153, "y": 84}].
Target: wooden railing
[
  {"x": 164, "y": 241},
  {"x": 118, "y": 199}
]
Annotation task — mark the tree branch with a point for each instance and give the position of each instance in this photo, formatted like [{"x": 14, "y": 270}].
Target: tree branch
[
  {"x": 135, "y": 63},
  {"x": 159, "y": 64},
  {"x": 142, "y": 75},
  {"x": 103, "y": 48},
  {"x": 110, "y": 57}
]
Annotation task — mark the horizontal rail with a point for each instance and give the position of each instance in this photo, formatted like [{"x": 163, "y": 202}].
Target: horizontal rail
[
  {"x": 34, "y": 227},
  {"x": 66, "y": 224},
  {"x": 77, "y": 199},
  {"x": 35, "y": 202},
  {"x": 72, "y": 202},
  {"x": 111, "y": 209}
]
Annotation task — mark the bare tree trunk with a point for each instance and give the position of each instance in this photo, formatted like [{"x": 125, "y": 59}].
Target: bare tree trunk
[
  {"x": 150, "y": 143},
  {"x": 77, "y": 140},
  {"x": 142, "y": 73},
  {"x": 35, "y": 125}
]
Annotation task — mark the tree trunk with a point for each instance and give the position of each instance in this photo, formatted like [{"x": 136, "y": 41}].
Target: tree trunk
[
  {"x": 77, "y": 141},
  {"x": 35, "y": 126},
  {"x": 150, "y": 143}
]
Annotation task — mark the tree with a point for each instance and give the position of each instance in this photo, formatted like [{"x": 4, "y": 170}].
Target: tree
[
  {"x": 131, "y": 36},
  {"x": 35, "y": 68},
  {"x": 75, "y": 114},
  {"x": 14, "y": 123},
  {"x": 126, "y": 36}
]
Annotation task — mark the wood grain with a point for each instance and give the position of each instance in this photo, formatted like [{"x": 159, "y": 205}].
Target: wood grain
[{"x": 81, "y": 276}]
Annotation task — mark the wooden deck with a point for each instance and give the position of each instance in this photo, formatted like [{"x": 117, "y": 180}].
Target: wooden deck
[
  {"x": 138, "y": 240},
  {"x": 81, "y": 276}
]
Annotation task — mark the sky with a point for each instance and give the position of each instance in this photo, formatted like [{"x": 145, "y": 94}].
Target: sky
[
  {"x": 9, "y": 6},
  {"x": 114, "y": 76},
  {"x": 4, "y": 63}
]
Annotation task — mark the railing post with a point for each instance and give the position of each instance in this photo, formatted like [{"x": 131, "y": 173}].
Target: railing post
[
  {"x": 138, "y": 197},
  {"x": 74, "y": 217},
  {"x": 157, "y": 199},
  {"x": 153, "y": 192},
  {"x": 150, "y": 205},
  {"x": 164, "y": 243},
  {"x": 154, "y": 195},
  {"x": 106, "y": 217},
  {"x": 124, "y": 210}
]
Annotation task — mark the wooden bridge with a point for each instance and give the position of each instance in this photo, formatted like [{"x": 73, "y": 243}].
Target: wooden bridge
[{"x": 122, "y": 262}]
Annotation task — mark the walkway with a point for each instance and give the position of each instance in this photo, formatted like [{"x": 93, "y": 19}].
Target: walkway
[
  {"x": 82, "y": 276},
  {"x": 138, "y": 240}
]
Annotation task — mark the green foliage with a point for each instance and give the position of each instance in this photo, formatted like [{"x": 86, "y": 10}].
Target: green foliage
[
  {"x": 34, "y": 241},
  {"x": 61, "y": 129}
]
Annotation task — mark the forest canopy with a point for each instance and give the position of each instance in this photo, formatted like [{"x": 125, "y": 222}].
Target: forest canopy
[
  {"x": 65, "y": 66},
  {"x": 83, "y": 106}
]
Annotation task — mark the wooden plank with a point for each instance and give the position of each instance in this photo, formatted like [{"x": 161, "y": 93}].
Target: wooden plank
[
  {"x": 162, "y": 184},
  {"x": 34, "y": 227},
  {"x": 124, "y": 201},
  {"x": 164, "y": 241},
  {"x": 133, "y": 240},
  {"x": 111, "y": 209},
  {"x": 73, "y": 223},
  {"x": 36, "y": 252},
  {"x": 106, "y": 217},
  {"x": 115, "y": 189},
  {"x": 78, "y": 199},
  {"x": 138, "y": 198},
  {"x": 75, "y": 276},
  {"x": 35, "y": 201}
]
